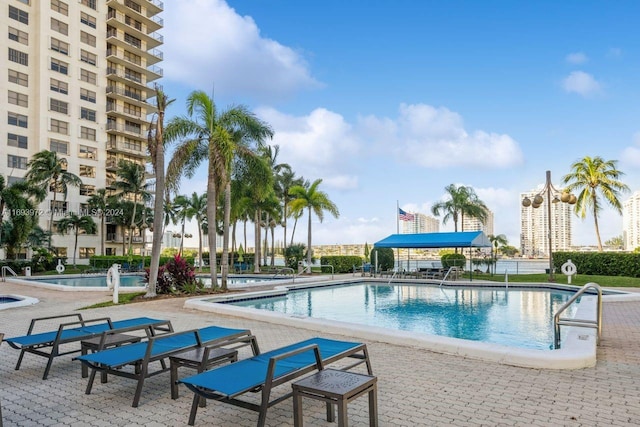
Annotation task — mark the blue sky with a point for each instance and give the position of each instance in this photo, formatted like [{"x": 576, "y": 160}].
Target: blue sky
[{"x": 390, "y": 101}]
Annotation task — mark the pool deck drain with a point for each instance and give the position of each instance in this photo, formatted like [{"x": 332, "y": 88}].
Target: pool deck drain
[{"x": 416, "y": 387}]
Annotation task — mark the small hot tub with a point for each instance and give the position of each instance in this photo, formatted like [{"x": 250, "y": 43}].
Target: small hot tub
[{"x": 11, "y": 301}]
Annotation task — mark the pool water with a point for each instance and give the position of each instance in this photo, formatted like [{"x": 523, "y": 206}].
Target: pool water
[
  {"x": 8, "y": 300},
  {"x": 513, "y": 317}
]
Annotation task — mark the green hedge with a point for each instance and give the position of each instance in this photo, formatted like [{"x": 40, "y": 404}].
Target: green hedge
[
  {"x": 135, "y": 260},
  {"x": 453, "y": 260},
  {"x": 341, "y": 264},
  {"x": 600, "y": 263}
]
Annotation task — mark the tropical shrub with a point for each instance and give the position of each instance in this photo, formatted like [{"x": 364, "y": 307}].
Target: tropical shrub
[
  {"x": 176, "y": 276},
  {"x": 341, "y": 264},
  {"x": 386, "y": 259},
  {"x": 453, "y": 260}
]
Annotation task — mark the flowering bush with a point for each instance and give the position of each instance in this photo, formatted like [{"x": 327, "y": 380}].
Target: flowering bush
[{"x": 176, "y": 276}]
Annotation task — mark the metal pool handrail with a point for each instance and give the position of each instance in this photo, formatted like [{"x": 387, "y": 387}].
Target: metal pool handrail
[
  {"x": 6, "y": 268},
  {"x": 583, "y": 323}
]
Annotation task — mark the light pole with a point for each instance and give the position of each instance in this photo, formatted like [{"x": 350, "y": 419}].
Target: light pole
[{"x": 549, "y": 190}]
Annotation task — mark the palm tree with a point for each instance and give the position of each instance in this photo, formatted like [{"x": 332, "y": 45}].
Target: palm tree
[
  {"x": 181, "y": 213},
  {"x": 132, "y": 181},
  {"x": 76, "y": 223},
  {"x": 155, "y": 144},
  {"x": 20, "y": 200},
  {"x": 49, "y": 172},
  {"x": 210, "y": 135},
  {"x": 473, "y": 207},
  {"x": 315, "y": 201},
  {"x": 496, "y": 242},
  {"x": 590, "y": 177},
  {"x": 98, "y": 203},
  {"x": 284, "y": 182},
  {"x": 461, "y": 200},
  {"x": 197, "y": 209}
]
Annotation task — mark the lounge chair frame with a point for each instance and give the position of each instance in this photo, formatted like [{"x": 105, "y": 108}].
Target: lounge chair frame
[
  {"x": 358, "y": 351},
  {"x": 155, "y": 350},
  {"x": 71, "y": 332}
]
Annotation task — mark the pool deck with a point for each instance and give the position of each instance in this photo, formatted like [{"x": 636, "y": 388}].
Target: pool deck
[{"x": 415, "y": 387}]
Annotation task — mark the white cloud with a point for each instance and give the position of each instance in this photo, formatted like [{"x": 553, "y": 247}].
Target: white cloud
[
  {"x": 631, "y": 155},
  {"x": 209, "y": 44},
  {"x": 576, "y": 58},
  {"x": 436, "y": 138},
  {"x": 581, "y": 83},
  {"x": 320, "y": 144}
]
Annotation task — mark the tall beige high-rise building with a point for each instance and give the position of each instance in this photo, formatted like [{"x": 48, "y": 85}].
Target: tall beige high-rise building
[
  {"x": 474, "y": 224},
  {"x": 78, "y": 81},
  {"x": 631, "y": 222},
  {"x": 420, "y": 223},
  {"x": 534, "y": 227}
]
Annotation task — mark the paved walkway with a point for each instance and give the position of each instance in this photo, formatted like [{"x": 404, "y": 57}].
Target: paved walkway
[{"x": 416, "y": 387}]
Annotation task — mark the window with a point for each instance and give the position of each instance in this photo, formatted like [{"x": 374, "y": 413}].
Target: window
[
  {"x": 60, "y": 7},
  {"x": 59, "y": 206},
  {"x": 133, "y": 5},
  {"x": 88, "y": 171},
  {"x": 87, "y": 76},
  {"x": 14, "y": 179},
  {"x": 132, "y": 57},
  {"x": 133, "y": 41},
  {"x": 18, "y": 36},
  {"x": 87, "y": 95},
  {"x": 16, "y": 119},
  {"x": 88, "y": 57},
  {"x": 87, "y": 190},
  {"x": 86, "y": 252},
  {"x": 61, "y": 252},
  {"x": 133, "y": 110},
  {"x": 87, "y": 133},
  {"x": 59, "y": 26},
  {"x": 133, "y": 23},
  {"x": 89, "y": 3},
  {"x": 17, "y": 162},
  {"x": 60, "y": 46},
  {"x": 88, "y": 152},
  {"x": 131, "y": 144},
  {"x": 59, "y": 106},
  {"x": 87, "y": 38},
  {"x": 19, "y": 15},
  {"x": 18, "y": 78},
  {"x": 19, "y": 57},
  {"x": 110, "y": 251},
  {"x": 57, "y": 146},
  {"x": 20, "y": 99},
  {"x": 58, "y": 126},
  {"x": 59, "y": 66},
  {"x": 87, "y": 19},
  {"x": 14, "y": 140},
  {"x": 58, "y": 86},
  {"x": 27, "y": 2},
  {"x": 133, "y": 127},
  {"x": 87, "y": 114}
]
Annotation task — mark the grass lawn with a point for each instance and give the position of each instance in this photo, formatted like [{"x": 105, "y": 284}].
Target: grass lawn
[{"x": 578, "y": 279}]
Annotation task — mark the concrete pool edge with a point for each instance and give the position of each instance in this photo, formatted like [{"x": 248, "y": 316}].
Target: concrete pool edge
[
  {"x": 23, "y": 301},
  {"x": 579, "y": 345}
]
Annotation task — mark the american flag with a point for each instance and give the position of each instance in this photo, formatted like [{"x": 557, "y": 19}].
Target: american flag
[{"x": 405, "y": 216}]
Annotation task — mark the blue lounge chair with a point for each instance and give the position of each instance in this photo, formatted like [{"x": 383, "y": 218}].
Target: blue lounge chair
[
  {"x": 140, "y": 355},
  {"x": 268, "y": 370},
  {"x": 71, "y": 332}
]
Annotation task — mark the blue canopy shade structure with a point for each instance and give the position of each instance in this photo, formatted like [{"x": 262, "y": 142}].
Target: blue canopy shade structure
[{"x": 463, "y": 239}]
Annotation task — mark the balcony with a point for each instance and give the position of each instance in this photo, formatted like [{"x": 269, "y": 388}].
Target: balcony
[
  {"x": 129, "y": 130},
  {"x": 124, "y": 147},
  {"x": 127, "y": 112}
]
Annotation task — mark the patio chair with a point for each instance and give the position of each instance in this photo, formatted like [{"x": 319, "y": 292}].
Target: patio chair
[
  {"x": 48, "y": 344},
  {"x": 140, "y": 355},
  {"x": 262, "y": 373}
]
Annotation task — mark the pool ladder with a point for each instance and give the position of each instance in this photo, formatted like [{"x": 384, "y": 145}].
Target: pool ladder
[
  {"x": 583, "y": 323},
  {"x": 6, "y": 268}
]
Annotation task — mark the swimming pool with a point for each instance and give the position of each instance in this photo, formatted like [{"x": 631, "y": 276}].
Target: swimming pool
[
  {"x": 516, "y": 317},
  {"x": 91, "y": 281},
  {"x": 510, "y": 326},
  {"x": 12, "y": 301}
]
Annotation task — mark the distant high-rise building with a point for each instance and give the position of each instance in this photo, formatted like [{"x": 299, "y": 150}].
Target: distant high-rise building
[
  {"x": 474, "y": 224},
  {"x": 534, "y": 226},
  {"x": 420, "y": 223},
  {"x": 76, "y": 81},
  {"x": 631, "y": 222}
]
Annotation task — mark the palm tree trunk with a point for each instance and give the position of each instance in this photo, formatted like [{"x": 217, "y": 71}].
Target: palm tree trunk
[
  {"x": 133, "y": 223},
  {"x": 75, "y": 248},
  {"x": 51, "y": 208},
  {"x": 212, "y": 197},
  {"x": 102, "y": 234},
  {"x": 256, "y": 243},
  {"x": 158, "y": 205},
  {"x": 293, "y": 232},
  {"x": 273, "y": 244},
  {"x": 224, "y": 262},
  {"x": 595, "y": 221},
  {"x": 309, "y": 243},
  {"x": 284, "y": 227},
  {"x": 200, "y": 246}
]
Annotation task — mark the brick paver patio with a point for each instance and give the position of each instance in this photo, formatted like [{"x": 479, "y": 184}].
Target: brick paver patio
[{"x": 416, "y": 387}]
